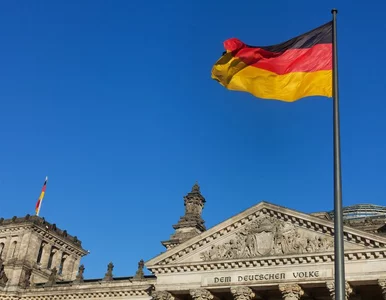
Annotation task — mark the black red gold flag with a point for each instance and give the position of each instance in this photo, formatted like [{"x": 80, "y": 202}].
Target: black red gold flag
[{"x": 297, "y": 68}]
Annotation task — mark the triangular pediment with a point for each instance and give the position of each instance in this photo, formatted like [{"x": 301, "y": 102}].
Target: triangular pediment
[{"x": 265, "y": 231}]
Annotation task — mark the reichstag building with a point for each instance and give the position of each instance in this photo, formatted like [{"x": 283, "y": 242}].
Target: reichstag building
[{"x": 266, "y": 252}]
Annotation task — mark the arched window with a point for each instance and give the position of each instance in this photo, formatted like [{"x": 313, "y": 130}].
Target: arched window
[
  {"x": 51, "y": 258},
  {"x": 1, "y": 249},
  {"x": 62, "y": 260},
  {"x": 38, "y": 260},
  {"x": 12, "y": 250}
]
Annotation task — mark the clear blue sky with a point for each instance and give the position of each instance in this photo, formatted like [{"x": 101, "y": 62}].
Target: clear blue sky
[{"x": 113, "y": 100}]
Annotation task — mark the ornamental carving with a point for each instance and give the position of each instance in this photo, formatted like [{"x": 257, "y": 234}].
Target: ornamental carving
[
  {"x": 269, "y": 236},
  {"x": 242, "y": 293},
  {"x": 382, "y": 284},
  {"x": 331, "y": 288},
  {"x": 162, "y": 295},
  {"x": 291, "y": 291},
  {"x": 201, "y": 294}
]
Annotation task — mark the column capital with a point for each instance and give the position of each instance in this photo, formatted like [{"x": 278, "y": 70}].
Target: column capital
[
  {"x": 201, "y": 294},
  {"x": 291, "y": 291},
  {"x": 242, "y": 293},
  {"x": 331, "y": 287},
  {"x": 382, "y": 284},
  {"x": 161, "y": 295}
]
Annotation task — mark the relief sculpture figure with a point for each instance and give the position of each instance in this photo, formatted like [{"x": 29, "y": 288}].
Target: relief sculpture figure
[{"x": 268, "y": 236}]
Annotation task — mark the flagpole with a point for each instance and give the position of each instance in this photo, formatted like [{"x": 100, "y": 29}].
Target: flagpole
[{"x": 338, "y": 214}]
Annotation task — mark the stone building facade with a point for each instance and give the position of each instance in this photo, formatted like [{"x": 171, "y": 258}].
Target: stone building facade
[{"x": 265, "y": 252}]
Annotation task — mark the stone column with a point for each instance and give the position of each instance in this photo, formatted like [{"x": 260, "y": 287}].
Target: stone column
[
  {"x": 242, "y": 293},
  {"x": 382, "y": 284},
  {"x": 291, "y": 291},
  {"x": 45, "y": 255},
  {"x": 68, "y": 268},
  {"x": 56, "y": 259},
  {"x": 162, "y": 295},
  {"x": 201, "y": 294},
  {"x": 331, "y": 288}
]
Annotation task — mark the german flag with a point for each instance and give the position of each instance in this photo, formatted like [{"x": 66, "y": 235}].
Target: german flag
[
  {"x": 297, "y": 68},
  {"x": 39, "y": 202}
]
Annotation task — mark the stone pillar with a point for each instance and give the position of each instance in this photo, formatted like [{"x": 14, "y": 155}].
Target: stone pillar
[
  {"x": 75, "y": 267},
  {"x": 162, "y": 295},
  {"x": 331, "y": 288},
  {"x": 201, "y": 294},
  {"x": 28, "y": 243},
  {"x": 68, "y": 268},
  {"x": 382, "y": 284},
  {"x": 291, "y": 291},
  {"x": 242, "y": 293},
  {"x": 56, "y": 259},
  {"x": 45, "y": 256}
]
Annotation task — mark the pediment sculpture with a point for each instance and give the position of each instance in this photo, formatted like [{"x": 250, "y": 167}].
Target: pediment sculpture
[{"x": 269, "y": 236}]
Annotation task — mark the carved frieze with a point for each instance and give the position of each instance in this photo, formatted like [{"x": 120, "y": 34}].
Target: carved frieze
[{"x": 269, "y": 236}]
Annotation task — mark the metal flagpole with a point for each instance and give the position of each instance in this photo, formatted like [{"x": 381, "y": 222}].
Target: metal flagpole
[{"x": 338, "y": 215}]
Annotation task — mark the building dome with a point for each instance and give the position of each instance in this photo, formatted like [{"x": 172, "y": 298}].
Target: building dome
[{"x": 362, "y": 211}]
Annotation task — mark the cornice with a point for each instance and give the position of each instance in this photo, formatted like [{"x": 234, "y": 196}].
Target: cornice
[
  {"x": 58, "y": 240},
  {"x": 16, "y": 224},
  {"x": 316, "y": 258},
  {"x": 94, "y": 291}
]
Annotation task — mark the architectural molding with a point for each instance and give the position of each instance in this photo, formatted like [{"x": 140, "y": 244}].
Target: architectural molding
[{"x": 354, "y": 255}]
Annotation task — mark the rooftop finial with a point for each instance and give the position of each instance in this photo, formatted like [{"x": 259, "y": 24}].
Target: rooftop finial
[
  {"x": 109, "y": 274},
  {"x": 139, "y": 274},
  {"x": 191, "y": 223},
  {"x": 79, "y": 277},
  {"x": 196, "y": 188}
]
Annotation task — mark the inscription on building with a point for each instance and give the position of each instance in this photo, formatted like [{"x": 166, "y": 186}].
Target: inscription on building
[{"x": 262, "y": 277}]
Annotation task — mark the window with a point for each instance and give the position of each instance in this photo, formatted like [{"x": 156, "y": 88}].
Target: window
[
  {"x": 1, "y": 249},
  {"x": 60, "y": 272},
  {"x": 38, "y": 260},
  {"x": 50, "y": 259},
  {"x": 13, "y": 250}
]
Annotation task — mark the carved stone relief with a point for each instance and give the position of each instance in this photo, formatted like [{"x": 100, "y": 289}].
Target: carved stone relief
[
  {"x": 269, "y": 236},
  {"x": 201, "y": 294},
  {"x": 382, "y": 284},
  {"x": 162, "y": 295},
  {"x": 331, "y": 288},
  {"x": 3, "y": 276},
  {"x": 291, "y": 291},
  {"x": 242, "y": 293}
]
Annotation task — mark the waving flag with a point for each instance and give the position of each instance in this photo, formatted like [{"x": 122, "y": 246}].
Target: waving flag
[
  {"x": 297, "y": 68},
  {"x": 39, "y": 203}
]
